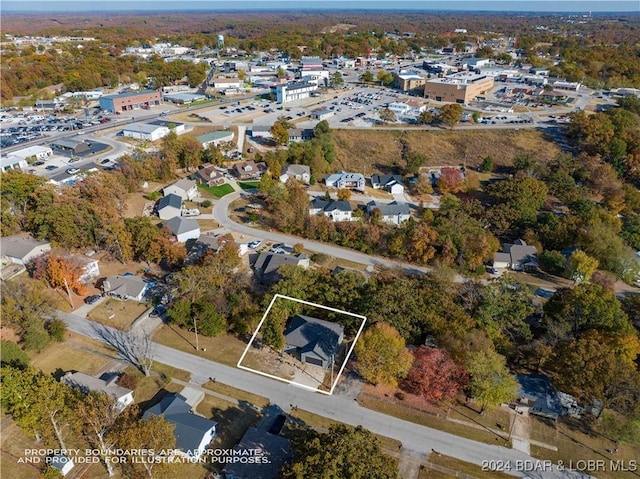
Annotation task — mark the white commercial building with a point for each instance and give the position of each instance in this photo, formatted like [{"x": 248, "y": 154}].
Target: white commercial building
[
  {"x": 145, "y": 131},
  {"x": 294, "y": 91}
]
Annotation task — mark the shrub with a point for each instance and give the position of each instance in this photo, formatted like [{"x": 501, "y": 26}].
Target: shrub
[
  {"x": 206, "y": 204},
  {"x": 128, "y": 381},
  {"x": 12, "y": 355},
  {"x": 56, "y": 329}
]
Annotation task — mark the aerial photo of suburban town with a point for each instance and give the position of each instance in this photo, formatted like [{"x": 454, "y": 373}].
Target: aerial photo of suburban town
[{"x": 320, "y": 240}]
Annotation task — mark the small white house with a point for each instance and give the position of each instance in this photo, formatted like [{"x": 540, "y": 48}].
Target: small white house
[
  {"x": 390, "y": 183},
  {"x": 61, "y": 462},
  {"x": 22, "y": 249},
  {"x": 125, "y": 286},
  {"x": 183, "y": 229},
  {"x": 169, "y": 206},
  {"x": 302, "y": 173},
  {"x": 105, "y": 384}
]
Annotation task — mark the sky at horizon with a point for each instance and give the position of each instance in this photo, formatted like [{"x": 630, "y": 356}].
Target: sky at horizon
[{"x": 540, "y": 6}]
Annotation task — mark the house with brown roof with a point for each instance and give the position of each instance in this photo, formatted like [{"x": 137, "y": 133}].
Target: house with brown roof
[
  {"x": 247, "y": 170},
  {"x": 209, "y": 175}
]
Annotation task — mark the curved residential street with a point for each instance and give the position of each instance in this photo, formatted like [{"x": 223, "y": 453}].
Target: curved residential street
[{"x": 341, "y": 407}]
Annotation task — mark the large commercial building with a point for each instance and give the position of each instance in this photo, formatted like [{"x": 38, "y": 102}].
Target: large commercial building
[
  {"x": 131, "y": 101},
  {"x": 294, "y": 91},
  {"x": 408, "y": 80},
  {"x": 458, "y": 88}
]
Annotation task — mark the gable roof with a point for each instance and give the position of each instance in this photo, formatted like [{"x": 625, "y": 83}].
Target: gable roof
[
  {"x": 19, "y": 246},
  {"x": 313, "y": 335},
  {"x": 214, "y": 136},
  {"x": 318, "y": 202},
  {"x": 170, "y": 200},
  {"x": 386, "y": 180},
  {"x": 276, "y": 448},
  {"x": 189, "y": 427},
  {"x": 125, "y": 285},
  {"x": 87, "y": 383},
  {"x": 340, "y": 205},
  {"x": 184, "y": 184},
  {"x": 179, "y": 225},
  {"x": 391, "y": 209},
  {"x": 294, "y": 170},
  {"x": 268, "y": 263}
]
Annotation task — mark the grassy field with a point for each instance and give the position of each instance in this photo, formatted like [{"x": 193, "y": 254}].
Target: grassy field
[
  {"x": 117, "y": 314},
  {"x": 233, "y": 421},
  {"x": 239, "y": 394},
  {"x": 376, "y": 151},
  {"x": 206, "y": 225},
  {"x": 69, "y": 356},
  {"x": 454, "y": 464},
  {"x": 225, "y": 349},
  {"x": 160, "y": 378},
  {"x": 413, "y": 415},
  {"x": 217, "y": 191}
]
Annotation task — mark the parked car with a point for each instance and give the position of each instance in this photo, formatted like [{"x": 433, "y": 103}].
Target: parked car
[
  {"x": 92, "y": 299},
  {"x": 105, "y": 161},
  {"x": 72, "y": 171},
  {"x": 254, "y": 244},
  {"x": 51, "y": 167}
]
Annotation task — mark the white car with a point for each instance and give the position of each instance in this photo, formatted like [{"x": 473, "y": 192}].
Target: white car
[
  {"x": 254, "y": 244},
  {"x": 72, "y": 171}
]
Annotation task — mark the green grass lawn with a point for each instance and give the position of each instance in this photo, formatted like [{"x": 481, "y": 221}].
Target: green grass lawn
[
  {"x": 217, "y": 191},
  {"x": 248, "y": 185}
]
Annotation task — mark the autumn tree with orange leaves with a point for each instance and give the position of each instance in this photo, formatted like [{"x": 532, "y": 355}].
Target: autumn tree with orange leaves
[{"x": 59, "y": 272}]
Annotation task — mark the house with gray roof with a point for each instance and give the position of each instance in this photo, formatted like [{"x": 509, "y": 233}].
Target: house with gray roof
[
  {"x": 339, "y": 210},
  {"x": 183, "y": 229},
  {"x": 186, "y": 189},
  {"x": 391, "y": 183},
  {"x": 169, "y": 206},
  {"x": 105, "y": 384},
  {"x": 392, "y": 213},
  {"x": 275, "y": 449},
  {"x": 125, "y": 286},
  {"x": 518, "y": 256},
  {"x": 193, "y": 432},
  {"x": 266, "y": 265},
  {"x": 301, "y": 173},
  {"x": 342, "y": 179},
  {"x": 22, "y": 249},
  {"x": 312, "y": 340}
]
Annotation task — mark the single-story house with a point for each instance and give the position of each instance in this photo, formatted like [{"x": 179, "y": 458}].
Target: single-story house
[
  {"x": 209, "y": 175},
  {"x": 247, "y": 170},
  {"x": 392, "y": 213},
  {"x": 215, "y": 138},
  {"x": 390, "y": 183},
  {"x": 339, "y": 210},
  {"x": 124, "y": 286},
  {"x": 204, "y": 244},
  {"x": 265, "y": 265},
  {"x": 275, "y": 449},
  {"x": 184, "y": 188},
  {"x": 354, "y": 181},
  {"x": 518, "y": 256},
  {"x": 312, "y": 340},
  {"x": 193, "y": 432},
  {"x": 302, "y": 173},
  {"x": 300, "y": 134},
  {"x": 183, "y": 229},
  {"x": 145, "y": 131},
  {"x": 104, "y": 384},
  {"x": 169, "y": 206},
  {"x": 90, "y": 268},
  {"x": 22, "y": 249}
]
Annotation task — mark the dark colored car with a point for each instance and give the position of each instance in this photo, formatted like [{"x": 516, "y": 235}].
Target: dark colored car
[{"x": 92, "y": 299}]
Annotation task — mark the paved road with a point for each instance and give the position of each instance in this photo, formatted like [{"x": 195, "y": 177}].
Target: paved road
[{"x": 343, "y": 408}]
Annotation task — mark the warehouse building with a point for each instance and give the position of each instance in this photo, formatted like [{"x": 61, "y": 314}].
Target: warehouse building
[{"x": 131, "y": 101}]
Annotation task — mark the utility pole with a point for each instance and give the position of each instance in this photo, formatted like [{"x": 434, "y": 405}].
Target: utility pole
[{"x": 195, "y": 328}]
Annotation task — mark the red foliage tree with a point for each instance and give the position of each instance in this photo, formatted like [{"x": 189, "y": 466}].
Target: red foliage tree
[
  {"x": 434, "y": 375},
  {"x": 450, "y": 180},
  {"x": 59, "y": 272}
]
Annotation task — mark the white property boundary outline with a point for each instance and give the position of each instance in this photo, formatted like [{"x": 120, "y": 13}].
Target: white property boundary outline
[{"x": 346, "y": 359}]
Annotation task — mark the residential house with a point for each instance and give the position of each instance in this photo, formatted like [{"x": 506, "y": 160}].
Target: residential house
[
  {"x": 275, "y": 449},
  {"x": 104, "y": 384},
  {"x": 247, "y": 170},
  {"x": 300, "y": 134},
  {"x": 336, "y": 210},
  {"x": 193, "y": 432},
  {"x": 204, "y": 244},
  {"x": 183, "y": 229},
  {"x": 302, "y": 173},
  {"x": 169, "y": 206},
  {"x": 392, "y": 213},
  {"x": 184, "y": 188},
  {"x": 125, "y": 286},
  {"x": 353, "y": 181},
  {"x": 215, "y": 138},
  {"x": 209, "y": 175},
  {"x": 312, "y": 340},
  {"x": 22, "y": 249},
  {"x": 391, "y": 183},
  {"x": 89, "y": 267},
  {"x": 60, "y": 462},
  {"x": 518, "y": 256},
  {"x": 266, "y": 265}
]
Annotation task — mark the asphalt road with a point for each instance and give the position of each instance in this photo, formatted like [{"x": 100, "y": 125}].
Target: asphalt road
[{"x": 340, "y": 407}]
